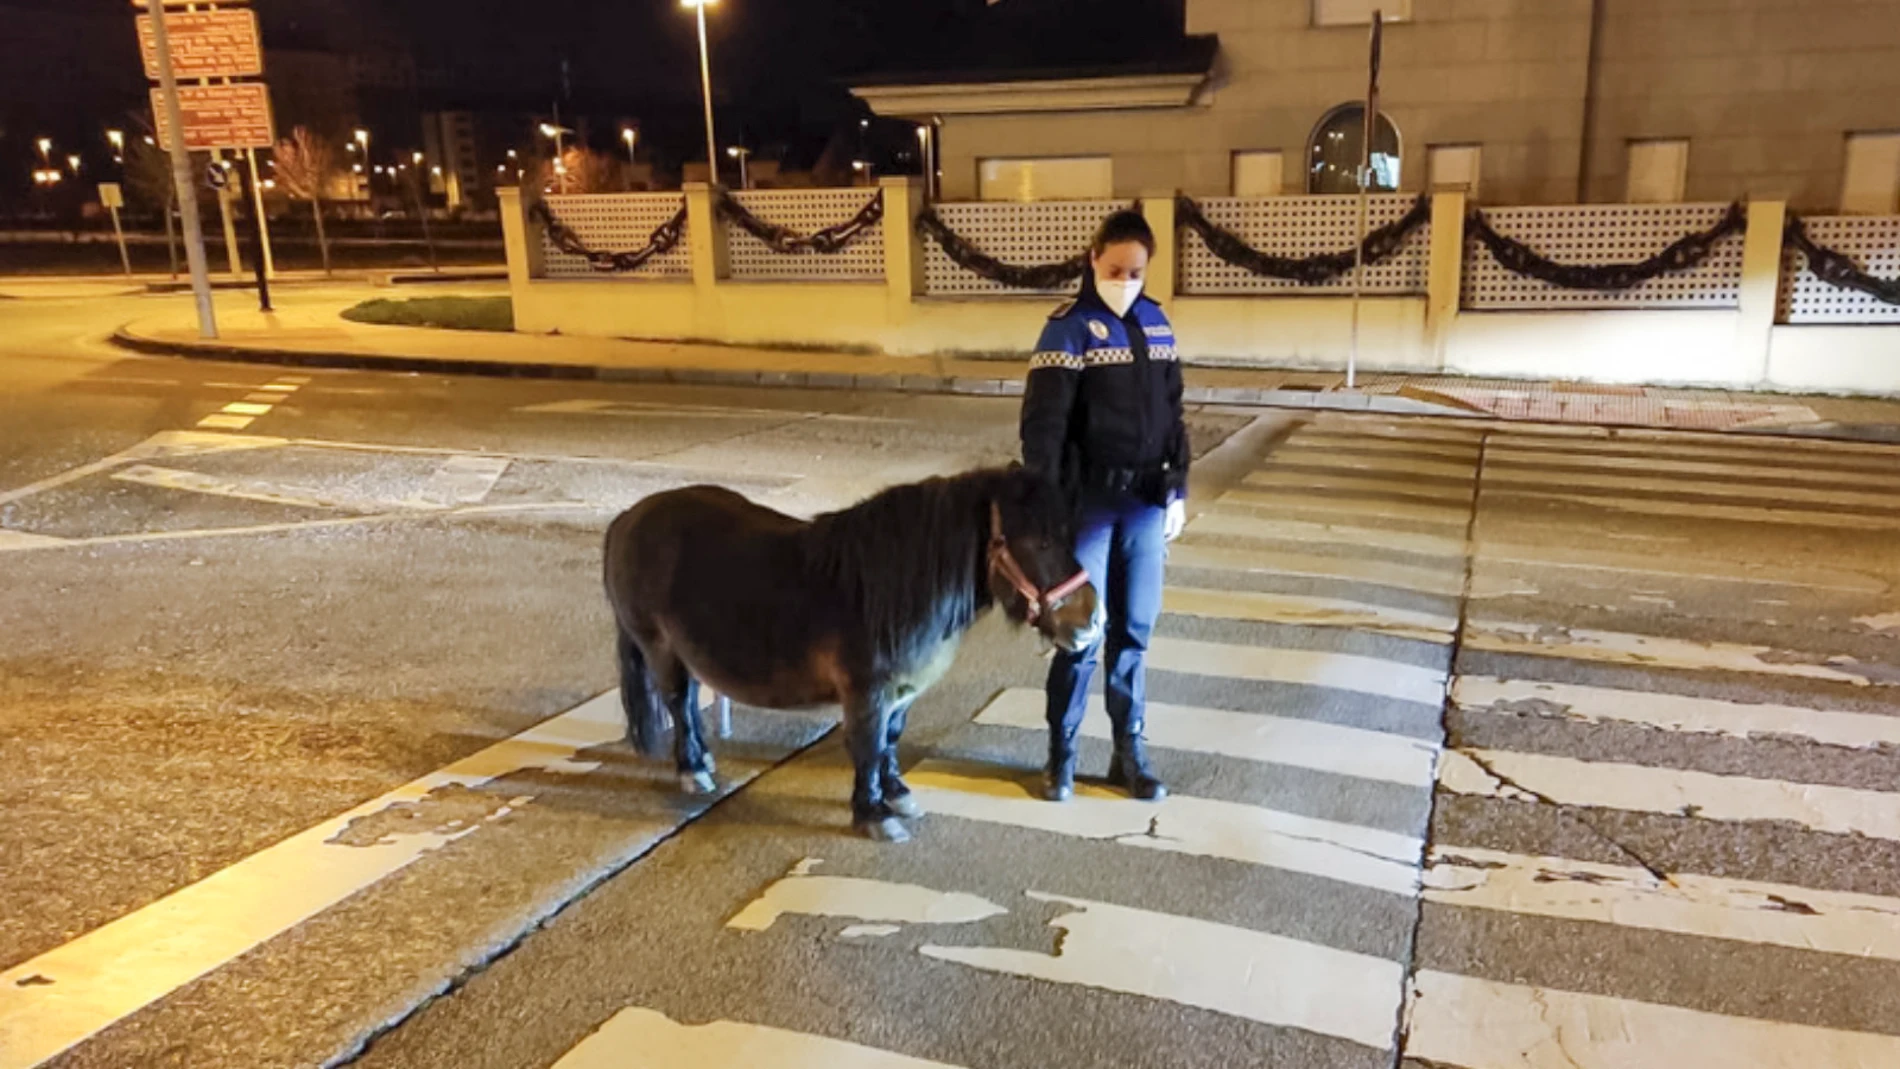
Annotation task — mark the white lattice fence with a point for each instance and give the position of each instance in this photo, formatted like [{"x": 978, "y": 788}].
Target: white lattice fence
[
  {"x": 1019, "y": 234},
  {"x": 805, "y": 210},
  {"x": 1298, "y": 227},
  {"x": 1872, "y": 241},
  {"x": 616, "y": 222},
  {"x": 1603, "y": 234}
]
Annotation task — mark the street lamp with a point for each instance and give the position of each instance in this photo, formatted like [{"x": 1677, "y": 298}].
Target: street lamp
[
  {"x": 740, "y": 153},
  {"x": 705, "y": 88},
  {"x": 553, "y": 132},
  {"x": 73, "y": 162},
  {"x": 116, "y": 138},
  {"x": 46, "y": 150}
]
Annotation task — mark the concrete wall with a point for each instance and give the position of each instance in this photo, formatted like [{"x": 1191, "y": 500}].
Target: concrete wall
[
  {"x": 1766, "y": 91},
  {"x": 1739, "y": 348}
]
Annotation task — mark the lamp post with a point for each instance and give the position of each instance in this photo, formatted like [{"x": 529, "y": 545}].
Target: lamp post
[
  {"x": 632, "y": 137},
  {"x": 705, "y": 88},
  {"x": 741, "y": 153},
  {"x": 116, "y": 138},
  {"x": 554, "y": 132},
  {"x": 46, "y": 150}
]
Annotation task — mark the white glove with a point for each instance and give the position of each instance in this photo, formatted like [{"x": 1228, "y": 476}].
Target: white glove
[{"x": 1176, "y": 519}]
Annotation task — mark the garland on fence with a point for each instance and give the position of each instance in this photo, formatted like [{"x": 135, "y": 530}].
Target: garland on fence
[
  {"x": 1378, "y": 246},
  {"x": 1837, "y": 268},
  {"x": 664, "y": 239},
  {"x": 789, "y": 242},
  {"x": 977, "y": 262},
  {"x": 1684, "y": 254}
]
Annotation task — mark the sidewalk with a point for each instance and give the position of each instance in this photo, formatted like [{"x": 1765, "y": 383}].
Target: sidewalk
[
  {"x": 53, "y": 287},
  {"x": 317, "y": 336}
]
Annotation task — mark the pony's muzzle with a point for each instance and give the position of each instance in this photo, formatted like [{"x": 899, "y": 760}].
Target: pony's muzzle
[{"x": 1077, "y": 622}]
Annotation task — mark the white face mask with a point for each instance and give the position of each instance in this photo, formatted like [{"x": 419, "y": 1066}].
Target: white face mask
[{"x": 1119, "y": 295}]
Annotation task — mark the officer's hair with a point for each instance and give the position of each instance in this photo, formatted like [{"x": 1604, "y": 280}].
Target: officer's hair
[{"x": 1125, "y": 225}]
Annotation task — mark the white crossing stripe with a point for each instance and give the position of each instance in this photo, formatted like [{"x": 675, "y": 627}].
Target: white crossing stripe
[
  {"x": 1288, "y": 500},
  {"x": 1346, "y": 483},
  {"x": 1832, "y": 922},
  {"x": 1660, "y": 651},
  {"x": 463, "y": 480},
  {"x": 1314, "y": 668},
  {"x": 247, "y": 408},
  {"x": 240, "y": 489},
  {"x": 1472, "y": 1023},
  {"x": 637, "y": 1038},
  {"x": 1674, "y": 712},
  {"x": 860, "y": 899},
  {"x": 113, "y": 971},
  {"x": 1852, "y": 521},
  {"x": 1180, "y": 824},
  {"x": 1435, "y": 581},
  {"x": 1305, "y": 610},
  {"x": 225, "y": 422},
  {"x": 1399, "y": 439},
  {"x": 1688, "y": 489},
  {"x": 1734, "y": 469},
  {"x": 1235, "y": 971},
  {"x": 1813, "y": 452},
  {"x": 1671, "y": 791},
  {"x": 1247, "y": 523},
  {"x": 1330, "y": 459},
  {"x": 1699, "y": 568},
  {"x": 1344, "y": 751}
]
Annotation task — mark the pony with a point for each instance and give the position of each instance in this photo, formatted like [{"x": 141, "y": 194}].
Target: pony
[{"x": 862, "y": 608}]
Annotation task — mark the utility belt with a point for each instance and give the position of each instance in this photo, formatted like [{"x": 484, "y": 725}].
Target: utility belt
[{"x": 1149, "y": 482}]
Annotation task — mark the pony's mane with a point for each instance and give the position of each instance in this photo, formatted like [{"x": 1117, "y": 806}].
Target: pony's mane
[{"x": 910, "y": 559}]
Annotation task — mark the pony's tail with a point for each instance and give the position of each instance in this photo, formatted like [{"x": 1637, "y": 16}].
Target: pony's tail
[{"x": 647, "y": 717}]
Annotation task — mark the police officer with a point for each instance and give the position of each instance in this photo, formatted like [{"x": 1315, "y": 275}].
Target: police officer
[{"x": 1102, "y": 415}]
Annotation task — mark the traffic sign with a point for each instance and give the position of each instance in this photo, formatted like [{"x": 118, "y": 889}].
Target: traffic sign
[
  {"x": 111, "y": 195},
  {"x": 206, "y": 44},
  {"x": 218, "y": 116},
  {"x": 217, "y": 176}
]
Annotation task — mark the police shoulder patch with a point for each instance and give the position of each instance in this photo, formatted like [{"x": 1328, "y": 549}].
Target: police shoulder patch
[
  {"x": 1062, "y": 309},
  {"x": 1099, "y": 329}
]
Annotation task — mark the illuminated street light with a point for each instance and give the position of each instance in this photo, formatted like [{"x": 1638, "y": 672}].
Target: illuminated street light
[
  {"x": 46, "y": 150},
  {"x": 362, "y": 139},
  {"x": 418, "y": 158},
  {"x": 116, "y": 138},
  {"x": 73, "y": 162},
  {"x": 741, "y": 153},
  {"x": 705, "y": 88},
  {"x": 554, "y": 131}
]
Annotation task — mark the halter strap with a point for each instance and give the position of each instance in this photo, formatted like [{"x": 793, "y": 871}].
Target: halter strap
[{"x": 1004, "y": 563}]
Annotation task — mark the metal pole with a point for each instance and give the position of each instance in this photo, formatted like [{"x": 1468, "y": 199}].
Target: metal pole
[
  {"x": 181, "y": 177},
  {"x": 257, "y": 257},
  {"x": 224, "y": 213},
  {"x": 705, "y": 87},
  {"x": 263, "y": 223},
  {"x": 125, "y": 258},
  {"x": 1365, "y": 175}
]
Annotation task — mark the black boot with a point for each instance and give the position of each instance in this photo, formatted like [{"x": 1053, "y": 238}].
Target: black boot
[
  {"x": 1129, "y": 769},
  {"x": 1058, "y": 783}
]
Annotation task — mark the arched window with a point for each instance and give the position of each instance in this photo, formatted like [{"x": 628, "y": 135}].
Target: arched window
[{"x": 1332, "y": 160}]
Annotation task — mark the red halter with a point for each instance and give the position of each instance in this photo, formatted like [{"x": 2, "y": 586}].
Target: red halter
[{"x": 1003, "y": 562}]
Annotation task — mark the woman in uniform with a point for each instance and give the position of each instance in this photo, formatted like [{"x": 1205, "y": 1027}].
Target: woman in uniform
[{"x": 1102, "y": 416}]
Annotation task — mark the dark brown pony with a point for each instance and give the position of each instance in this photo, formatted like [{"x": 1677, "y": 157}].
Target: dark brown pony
[{"x": 862, "y": 608}]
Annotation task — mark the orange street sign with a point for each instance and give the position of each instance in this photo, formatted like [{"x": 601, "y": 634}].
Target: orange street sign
[
  {"x": 219, "y": 116},
  {"x": 206, "y": 44}
]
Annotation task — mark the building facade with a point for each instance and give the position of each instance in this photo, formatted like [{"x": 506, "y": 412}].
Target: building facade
[{"x": 1518, "y": 101}]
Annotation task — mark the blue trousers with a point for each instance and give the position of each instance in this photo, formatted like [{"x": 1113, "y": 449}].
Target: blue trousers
[{"x": 1123, "y": 545}]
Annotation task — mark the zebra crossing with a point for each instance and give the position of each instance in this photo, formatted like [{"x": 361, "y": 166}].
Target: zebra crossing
[{"x": 1425, "y": 812}]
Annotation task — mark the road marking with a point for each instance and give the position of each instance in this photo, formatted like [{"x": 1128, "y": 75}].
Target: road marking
[
  {"x": 264, "y": 398},
  {"x": 1697, "y": 568},
  {"x": 200, "y": 483},
  {"x": 246, "y": 408},
  {"x": 462, "y": 480},
  {"x": 637, "y": 1038},
  {"x": 1179, "y": 824},
  {"x": 1886, "y": 621},
  {"x": 1807, "y": 451},
  {"x": 1661, "y": 651},
  {"x": 1371, "y": 435},
  {"x": 1271, "y": 979},
  {"x": 862, "y": 900},
  {"x": 15, "y": 540},
  {"x": 1483, "y": 1024},
  {"x": 1343, "y": 751},
  {"x": 1355, "y": 484},
  {"x": 113, "y": 971},
  {"x": 34, "y": 543},
  {"x": 1329, "y": 458},
  {"x": 1856, "y": 521},
  {"x": 1672, "y": 791},
  {"x": 1190, "y": 554},
  {"x": 1684, "y": 490},
  {"x": 1283, "y": 501},
  {"x": 1673, "y": 712},
  {"x": 1313, "y": 668},
  {"x": 221, "y": 421},
  {"x": 278, "y": 388},
  {"x": 1246, "y": 522},
  {"x": 1832, "y": 922},
  {"x": 1304, "y": 610},
  {"x": 690, "y": 411},
  {"x": 1737, "y": 469}
]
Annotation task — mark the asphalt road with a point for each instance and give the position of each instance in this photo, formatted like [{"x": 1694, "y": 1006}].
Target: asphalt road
[{"x": 1491, "y": 748}]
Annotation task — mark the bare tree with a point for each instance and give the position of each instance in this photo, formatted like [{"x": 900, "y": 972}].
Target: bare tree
[
  {"x": 148, "y": 176},
  {"x": 582, "y": 170},
  {"x": 306, "y": 165}
]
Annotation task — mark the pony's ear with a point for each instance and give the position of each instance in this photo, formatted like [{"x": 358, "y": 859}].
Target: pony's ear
[{"x": 1014, "y": 467}]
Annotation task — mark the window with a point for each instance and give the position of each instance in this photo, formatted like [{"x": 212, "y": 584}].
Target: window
[
  {"x": 1871, "y": 183},
  {"x": 1259, "y": 174},
  {"x": 1658, "y": 170},
  {"x": 1332, "y": 163},
  {"x": 1454, "y": 167},
  {"x": 1359, "y": 12},
  {"x": 1053, "y": 178}
]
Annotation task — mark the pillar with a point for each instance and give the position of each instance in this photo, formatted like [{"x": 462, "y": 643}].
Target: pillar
[
  {"x": 1158, "y": 207},
  {"x": 1445, "y": 274},
  {"x": 1761, "y": 287}
]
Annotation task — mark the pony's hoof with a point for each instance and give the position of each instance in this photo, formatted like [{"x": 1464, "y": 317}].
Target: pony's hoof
[
  {"x": 698, "y": 782},
  {"x": 887, "y": 830},
  {"x": 905, "y": 805}
]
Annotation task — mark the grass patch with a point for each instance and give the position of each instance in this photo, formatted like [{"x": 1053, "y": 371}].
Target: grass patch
[{"x": 445, "y": 313}]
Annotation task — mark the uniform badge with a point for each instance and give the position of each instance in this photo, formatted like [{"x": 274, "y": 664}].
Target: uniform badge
[{"x": 1099, "y": 329}]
